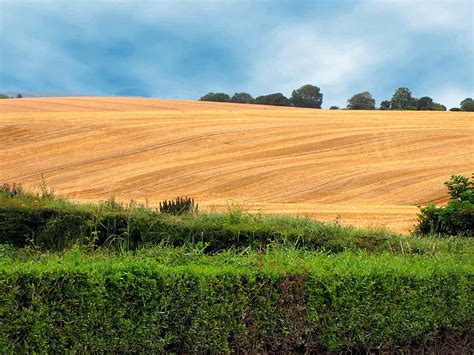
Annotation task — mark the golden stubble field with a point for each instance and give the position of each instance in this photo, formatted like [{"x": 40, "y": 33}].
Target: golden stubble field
[{"x": 368, "y": 168}]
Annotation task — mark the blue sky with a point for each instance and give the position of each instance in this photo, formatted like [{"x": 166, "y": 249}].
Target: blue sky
[{"x": 184, "y": 49}]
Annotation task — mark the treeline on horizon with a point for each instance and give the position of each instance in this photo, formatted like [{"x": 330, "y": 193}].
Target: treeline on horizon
[{"x": 310, "y": 96}]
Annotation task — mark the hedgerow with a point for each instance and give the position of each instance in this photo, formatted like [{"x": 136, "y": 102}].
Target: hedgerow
[
  {"x": 166, "y": 300},
  {"x": 59, "y": 224}
]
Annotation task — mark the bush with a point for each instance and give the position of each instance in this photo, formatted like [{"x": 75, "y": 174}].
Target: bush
[
  {"x": 457, "y": 217},
  {"x": 334, "y": 108},
  {"x": 456, "y": 109},
  {"x": 275, "y": 302}
]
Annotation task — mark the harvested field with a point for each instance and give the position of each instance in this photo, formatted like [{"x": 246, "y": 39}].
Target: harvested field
[{"x": 371, "y": 168}]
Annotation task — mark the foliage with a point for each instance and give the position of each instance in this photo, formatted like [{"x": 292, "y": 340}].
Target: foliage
[
  {"x": 19, "y": 96},
  {"x": 2, "y": 96},
  {"x": 242, "y": 98},
  {"x": 216, "y": 97},
  {"x": 334, "y": 108},
  {"x": 455, "y": 109},
  {"x": 467, "y": 105},
  {"x": 402, "y": 99},
  {"x": 307, "y": 96},
  {"x": 180, "y": 205},
  {"x": 426, "y": 103},
  {"x": 361, "y": 101},
  {"x": 57, "y": 224},
  {"x": 277, "y": 99},
  {"x": 173, "y": 301},
  {"x": 385, "y": 105},
  {"x": 457, "y": 217},
  {"x": 11, "y": 190}
]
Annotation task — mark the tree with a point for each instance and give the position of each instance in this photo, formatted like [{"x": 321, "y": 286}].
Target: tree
[
  {"x": 3, "y": 96},
  {"x": 19, "y": 96},
  {"x": 467, "y": 105},
  {"x": 437, "y": 107},
  {"x": 385, "y": 105},
  {"x": 217, "y": 97},
  {"x": 401, "y": 99},
  {"x": 455, "y": 109},
  {"x": 277, "y": 99},
  {"x": 424, "y": 103},
  {"x": 361, "y": 101},
  {"x": 334, "y": 108},
  {"x": 307, "y": 96},
  {"x": 242, "y": 98}
]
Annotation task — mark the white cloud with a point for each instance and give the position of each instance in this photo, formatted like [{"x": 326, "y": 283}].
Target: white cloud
[
  {"x": 427, "y": 14},
  {"x": 298, "y": 55}
]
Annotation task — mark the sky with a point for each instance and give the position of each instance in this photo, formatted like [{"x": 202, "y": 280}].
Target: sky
[{"x": 184, "y": 49}]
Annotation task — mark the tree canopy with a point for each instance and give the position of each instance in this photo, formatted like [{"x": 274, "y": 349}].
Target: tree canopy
[
  {"x": 467, "y": 104},
  {"x": 242, "y": 98},
  {"x": 277, "y": 99},
  {"x": 402, "y": 99},
  {"x": 385, "y": 105},
  {"x": 361, "y": 101},
  {"x": 307, "y": 96},
  {"x": 217, "y": 97}
]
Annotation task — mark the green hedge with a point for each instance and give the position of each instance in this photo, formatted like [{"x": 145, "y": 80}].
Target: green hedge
[
  {"x": 262, "y": 302},
  {"x": 56, "y": 227}
]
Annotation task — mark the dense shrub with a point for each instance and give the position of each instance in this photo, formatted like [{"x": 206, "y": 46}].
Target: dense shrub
[
  {"x": 274, "y": 302},
  {"x": 457, "y": 217}
]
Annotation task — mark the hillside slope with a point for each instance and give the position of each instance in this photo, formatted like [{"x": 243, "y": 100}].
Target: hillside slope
[{"x": 369, "y": 168}]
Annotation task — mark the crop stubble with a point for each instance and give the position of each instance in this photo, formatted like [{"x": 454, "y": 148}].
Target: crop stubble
[{"x": 371, "y": 168}]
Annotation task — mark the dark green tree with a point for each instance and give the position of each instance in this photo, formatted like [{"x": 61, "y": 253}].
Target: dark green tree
[
  {"x": 19, "y": 96},
  {"x": 361, "y": 101},
  {"x": 334, "y": 108},
  {"x": 385, "y": 105},
  {"x": 3, "y": 96},
  {"x": 217, "y": 97},
  {"x": 467, "y": 104},
  {"x": 307, "y": 96},
  {"x": 437, "y": 107},
  {"x": 277, "y": 99},
  {"x": 242, "y": 98},
  {"x": 424, "y": 103},
  {"x": 401, "y": 99}
]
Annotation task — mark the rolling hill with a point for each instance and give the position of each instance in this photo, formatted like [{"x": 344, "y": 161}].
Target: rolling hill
[{"x": 370, "y": 168}]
